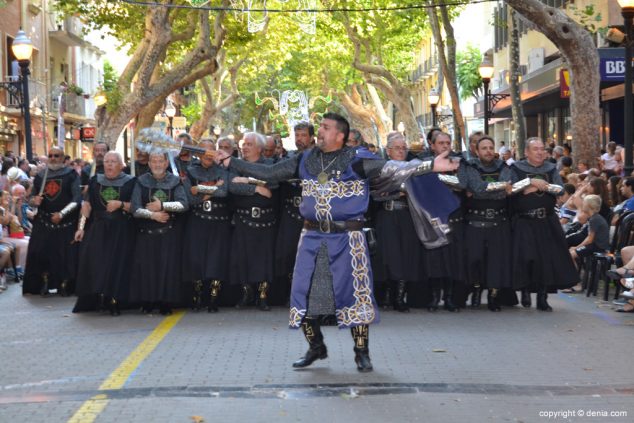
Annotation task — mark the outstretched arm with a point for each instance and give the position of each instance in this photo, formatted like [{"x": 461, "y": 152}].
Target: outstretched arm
[{"x": 280, "y": 171}]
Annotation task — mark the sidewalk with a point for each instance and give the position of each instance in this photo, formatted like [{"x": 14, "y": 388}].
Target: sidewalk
[{"x": 235, "y": 366}]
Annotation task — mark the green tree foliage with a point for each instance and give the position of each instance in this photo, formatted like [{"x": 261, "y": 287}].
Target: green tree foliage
[{"x": 469, "y": 80}]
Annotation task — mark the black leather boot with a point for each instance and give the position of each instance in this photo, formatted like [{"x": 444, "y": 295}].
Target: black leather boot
[
  {"x": 542, "y": 301},
  {"x": 44, "y": 289},
  {"x": 399, "y": 301},
  {"x": 247, "y": 296},
  {"x": 262, "y": 300},
  {"x": 215, "y": 287},
  {"x": 361, "y": 334},
  {"x": 492, "y": 302},
  {"x": 165, "y": 309},
  {"x": 197, "y": 295},
  {"x": 316, "y": 348},
  {"x": 101, "y": 303},
  {"x": 64, "y": 288},
  {"x": 448, "y": 298},
  {"x": 476, "y": 296},
  {"x": 526, "y": 298},
  {"x": 113, "y": 306},
  {"x": 387, "y": 299},
  {"x": 435, "y": 300}
]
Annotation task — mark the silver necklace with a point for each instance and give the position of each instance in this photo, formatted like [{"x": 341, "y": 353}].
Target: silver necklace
[{"x": 322, "y": 178}]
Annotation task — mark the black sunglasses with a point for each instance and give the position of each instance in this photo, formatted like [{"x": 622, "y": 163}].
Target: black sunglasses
[{"x": 50, "y": 156}]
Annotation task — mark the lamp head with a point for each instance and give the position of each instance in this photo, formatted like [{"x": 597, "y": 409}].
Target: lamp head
[
  {"x": 627, "y": 6},
  {"x": 433, "y": 97},
  {"x": 100, "y": 98},
  {"x": 170, "y": 110},
  {"x": 486, "y": 70},
  {"x": 22, "y": 47}
]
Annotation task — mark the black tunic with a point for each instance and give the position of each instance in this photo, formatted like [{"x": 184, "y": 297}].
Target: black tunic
[
  {"x": 51, "y": 248},
  {"x": 290, "y": 228},
  {"x": 106, "y": 253},
  {"x": 488, "y": 227},
  {"x": 540, "y": 254},
  {"x": 156, "y": 275},
  {"x": 207, "y": 240},
  {"x": 398, "y": 247},
  {"x": 253, "y": 239},
  {"x": 448, "y": 262}
]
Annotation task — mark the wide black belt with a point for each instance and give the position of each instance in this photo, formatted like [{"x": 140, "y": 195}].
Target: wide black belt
[
  {"x": 209, "y": 216},
  {"x": 538, "y": 213},
  {"x": 486, "y": 214},
  {"x": 391, "y": 205},
  {"x": 485, "y": 224},
  {"x": 330, "y": 226},
  {"x": 208, "y": 205},
  {"x": 254, "y": 212},
  {"x": 293, "y": 201},
  {"x": 106, "y": 215},
  {"x": 157, "y": 231},
  {"x": 50, "y": 225}
]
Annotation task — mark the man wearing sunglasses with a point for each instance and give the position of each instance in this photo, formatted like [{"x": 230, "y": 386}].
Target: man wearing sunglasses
[{"x": 51, "y": 258}]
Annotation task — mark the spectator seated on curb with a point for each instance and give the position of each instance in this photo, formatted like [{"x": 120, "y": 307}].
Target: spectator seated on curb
[{"x": 597, "y": 240}]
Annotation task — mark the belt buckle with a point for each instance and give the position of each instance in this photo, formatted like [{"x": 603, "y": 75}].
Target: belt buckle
[
  {"x": 324, "y": 226},
  {"x": 489, "y": 213},
  {"x": 207, "y": 205},
  {"x": 297, "y": 200},
  {"x": 256, "y": 212},
  {"x": 541, "y": 213},
  {"x": 389, "y": 205}
]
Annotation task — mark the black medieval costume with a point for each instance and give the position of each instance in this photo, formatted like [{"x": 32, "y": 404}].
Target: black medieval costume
[
  {"x": 396, "y": 263},
  {"x": 541, "y": 261},
  {"x": 487, "y": 230},
  {"x": 51, "y": 261},
  {"x": 156, "y": 276},
  {"x": 106, "y": 252},
  {"x": 207, "y": 234},
  {"x": 253, "y": 241}
]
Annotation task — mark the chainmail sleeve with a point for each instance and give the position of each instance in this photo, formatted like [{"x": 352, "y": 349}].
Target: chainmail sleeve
[
  {"x": 280, "y": 171},
  {"x": 241, "y": 189},
  {"x": 393, "y": 174}
]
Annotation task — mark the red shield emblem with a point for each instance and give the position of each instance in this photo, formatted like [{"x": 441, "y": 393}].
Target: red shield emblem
[{"x": 52, "y": 188}]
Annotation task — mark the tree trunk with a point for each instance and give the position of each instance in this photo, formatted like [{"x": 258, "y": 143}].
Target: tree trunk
[
  {"x": 516, "y": 100},
  {"x": 197, "y": 63},
  {"x": 577, "y": 47},
  {"x": 362, "y": 117},
  {"x": 452, "y": 84},
  {"x": 393, "y": 89}
]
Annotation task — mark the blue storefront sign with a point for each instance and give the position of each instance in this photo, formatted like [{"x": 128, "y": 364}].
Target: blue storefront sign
[{"x": 612, "y": 64}]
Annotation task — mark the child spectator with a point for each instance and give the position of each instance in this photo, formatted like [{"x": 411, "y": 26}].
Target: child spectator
[{"x": 598, "y": 238}]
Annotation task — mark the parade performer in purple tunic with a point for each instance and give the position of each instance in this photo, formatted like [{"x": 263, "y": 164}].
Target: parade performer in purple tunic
[{"x": 332, "y": 272}]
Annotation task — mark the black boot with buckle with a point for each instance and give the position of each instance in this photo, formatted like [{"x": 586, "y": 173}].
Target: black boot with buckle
[
  {"x": 247, "y": 296},
  {"x": 44, "y": 289},
  {"x": 114, "y": 307},
  {"x": 361, "y": 334},
  {"x": 476, "y": 296},
  {"x": 197, "y": 295},
  {"x": 215, "y": 287},
  {"x": 262, "y": 297},
  {"x": 448, "y": 298},
  {"x": 316, "y": 348},
  {"x": 492, "y": 302},
  {"x": 542, "y": 300},
  {"x": 399, "y": 301},
  {"x": 526, "y": 298}
]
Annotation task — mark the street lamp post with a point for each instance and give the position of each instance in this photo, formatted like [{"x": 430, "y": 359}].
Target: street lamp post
[
  {"x": 170, "y": 111},
  {"x": 433, "y": 98},
  {"x": 627, "y": 10},
  {"x": 486, "y": 71},
  {"x": 22, "y": 49}
]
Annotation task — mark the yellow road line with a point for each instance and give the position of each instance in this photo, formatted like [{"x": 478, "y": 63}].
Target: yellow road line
[{"x": 90, "y": 409}]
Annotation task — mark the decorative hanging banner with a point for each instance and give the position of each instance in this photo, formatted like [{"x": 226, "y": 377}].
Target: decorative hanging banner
[{"x": 258, "y": 13}]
